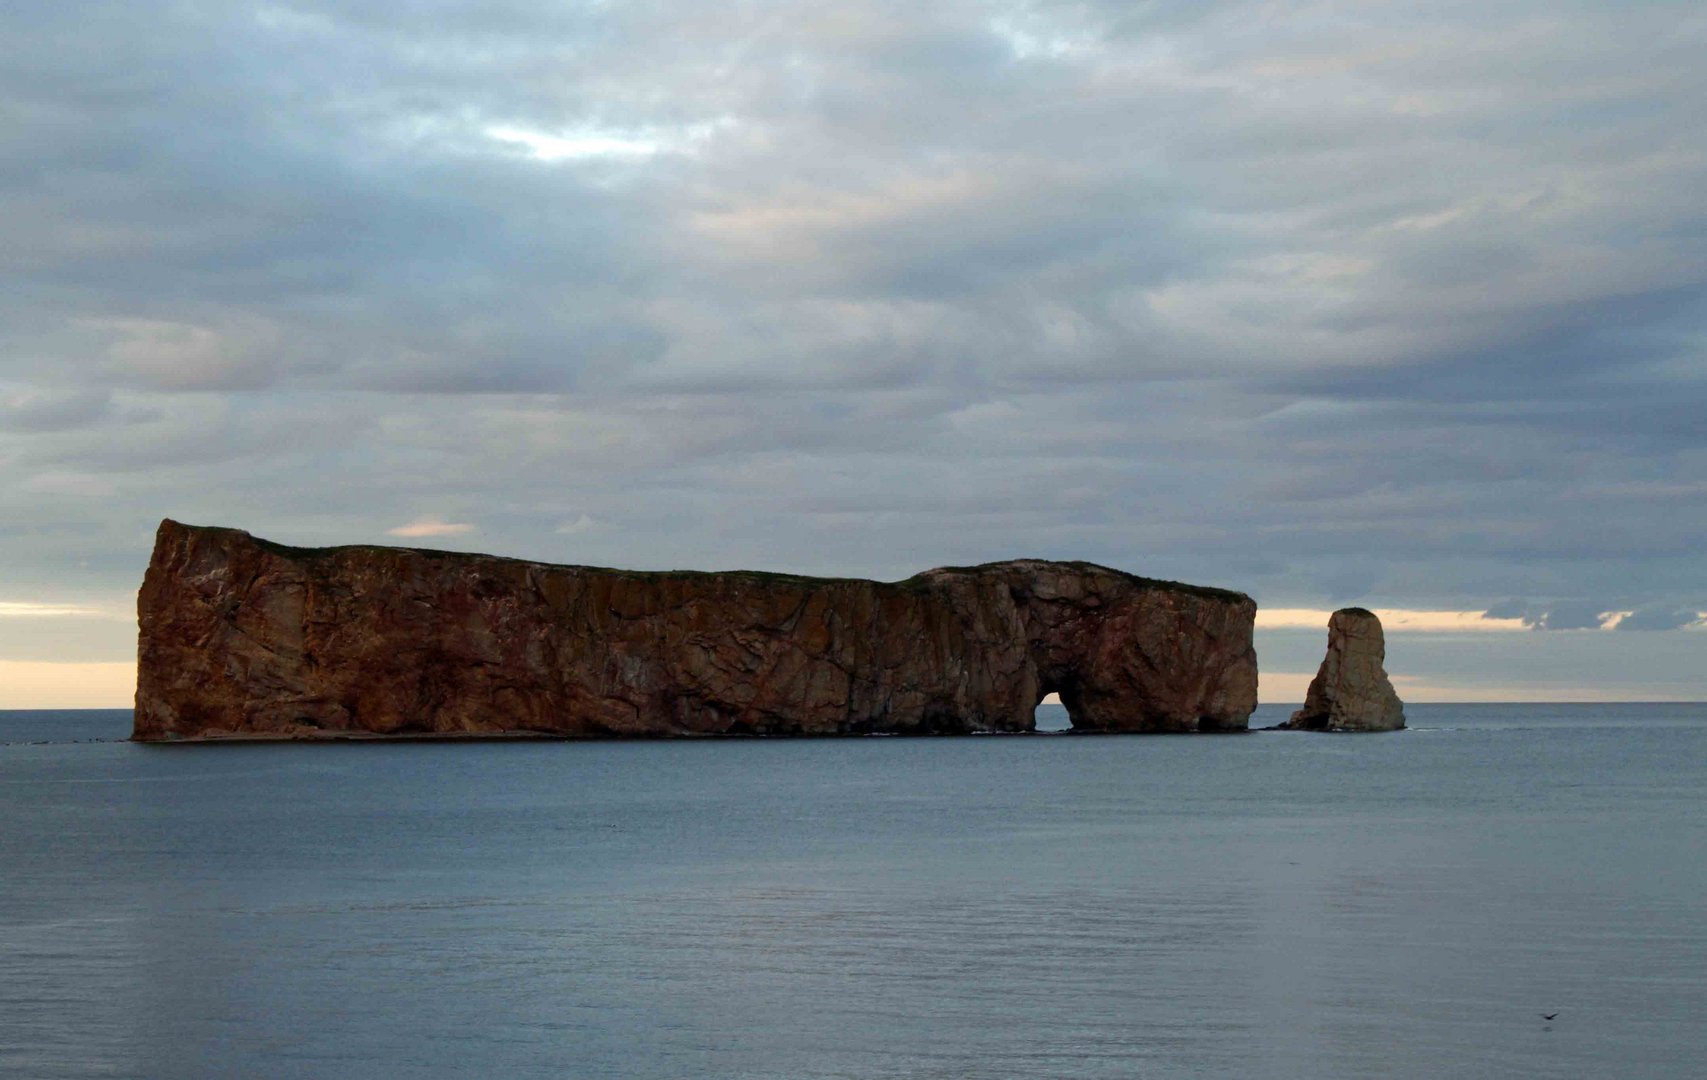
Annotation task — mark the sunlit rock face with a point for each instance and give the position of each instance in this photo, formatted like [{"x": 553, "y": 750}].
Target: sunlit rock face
[
  {"x": 245, "y": 638},
  {"x": 1351, "y": 691}
]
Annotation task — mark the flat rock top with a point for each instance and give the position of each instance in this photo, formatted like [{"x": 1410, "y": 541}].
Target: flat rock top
[{"x": 1042, "y": 568}]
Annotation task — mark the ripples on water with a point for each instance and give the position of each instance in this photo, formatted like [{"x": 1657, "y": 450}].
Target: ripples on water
[{"x": 1272, "y": 905}]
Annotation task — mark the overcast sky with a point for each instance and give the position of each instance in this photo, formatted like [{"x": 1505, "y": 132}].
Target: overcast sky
[{"x": 1397, "y": 304}]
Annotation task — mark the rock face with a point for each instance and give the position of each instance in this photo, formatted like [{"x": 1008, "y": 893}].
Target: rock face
[
  {"x": 1351, "y": 691},
  {"x": 245, "y": 638}
]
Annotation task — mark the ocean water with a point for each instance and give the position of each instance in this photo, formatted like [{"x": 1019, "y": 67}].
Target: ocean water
[{"x": 1264, "y": 905}]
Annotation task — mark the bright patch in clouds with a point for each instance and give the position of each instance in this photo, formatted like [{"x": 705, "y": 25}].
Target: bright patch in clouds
[
  {"x": 582, "y": 524},
  {"x": 615, "y": 143},
  {"x": 79, "y": 484},
  {"x": 430, "y": 526}
]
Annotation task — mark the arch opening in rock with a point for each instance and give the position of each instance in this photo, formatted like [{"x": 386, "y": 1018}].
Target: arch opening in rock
[{"x": 1051, "y": 716}]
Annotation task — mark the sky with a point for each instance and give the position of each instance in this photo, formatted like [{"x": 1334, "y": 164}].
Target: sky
[{"x": 1401, "y": 305}]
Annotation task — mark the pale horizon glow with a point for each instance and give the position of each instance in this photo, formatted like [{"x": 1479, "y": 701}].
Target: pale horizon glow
[
  {"x": 37, "y": 684},
  {"x": 1283, "y": 687}
]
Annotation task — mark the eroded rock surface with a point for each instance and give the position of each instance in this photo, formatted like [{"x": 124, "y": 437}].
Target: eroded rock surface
[
  {"x": 1351, "y": 691},
  {"x": 245, "y": 638}
]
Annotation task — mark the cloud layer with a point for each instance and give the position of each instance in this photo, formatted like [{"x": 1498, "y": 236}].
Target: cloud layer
[{"x": 1402, "y": 304}]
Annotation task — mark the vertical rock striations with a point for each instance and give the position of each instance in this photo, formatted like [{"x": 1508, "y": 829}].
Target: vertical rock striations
[
  {"x": 245, "y": 638},
  {"x": 1351, "y": 691}
]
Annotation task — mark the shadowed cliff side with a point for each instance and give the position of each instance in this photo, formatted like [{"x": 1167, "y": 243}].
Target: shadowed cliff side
[{"x": 245, "y": 638}]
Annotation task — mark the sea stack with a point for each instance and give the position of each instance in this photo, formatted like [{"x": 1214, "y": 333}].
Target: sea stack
[
  {"x": 1351, "y": 691},
  {"x": 242, "y": 638}
]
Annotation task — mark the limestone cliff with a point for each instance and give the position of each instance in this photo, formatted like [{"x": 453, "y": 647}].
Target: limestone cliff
[
  {"x": 245, "y": 638},
  {"x": 1351, "y": 691}
]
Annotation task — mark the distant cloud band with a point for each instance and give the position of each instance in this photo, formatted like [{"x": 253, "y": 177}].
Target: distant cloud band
[
  {"x": 23, "y": 609},
  {"x": 1495, "y": 620}
]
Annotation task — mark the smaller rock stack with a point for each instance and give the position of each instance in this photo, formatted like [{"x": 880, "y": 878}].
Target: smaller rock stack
[{"x": 1351, "y": 691}]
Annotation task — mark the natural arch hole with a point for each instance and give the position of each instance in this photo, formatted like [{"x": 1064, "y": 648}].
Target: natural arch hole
[{"x": 1052, "y": 715}]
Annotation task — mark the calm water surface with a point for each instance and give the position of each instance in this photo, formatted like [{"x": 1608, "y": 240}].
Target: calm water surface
[{"x": 1271, "y": 905}]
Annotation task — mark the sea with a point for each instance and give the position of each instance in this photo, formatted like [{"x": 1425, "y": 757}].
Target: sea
[{"x": 1273, "y": 904}]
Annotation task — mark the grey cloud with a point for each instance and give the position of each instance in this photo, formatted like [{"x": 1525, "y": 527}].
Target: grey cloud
[
  {"x": 1660, "y": 617},
  {"x": 1570, "y": 615},
  {"x": 36, "y": 409},
  {"x": 1592, "y": 615}
]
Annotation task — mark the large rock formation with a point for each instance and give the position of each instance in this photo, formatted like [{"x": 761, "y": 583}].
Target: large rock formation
[
  {"x": 1351, "y": 691},
  {"x": 245, "y": 638}
]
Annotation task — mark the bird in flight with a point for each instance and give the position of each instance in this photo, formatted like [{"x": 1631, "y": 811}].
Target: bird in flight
[{"x": 1548, "y": 1016}]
